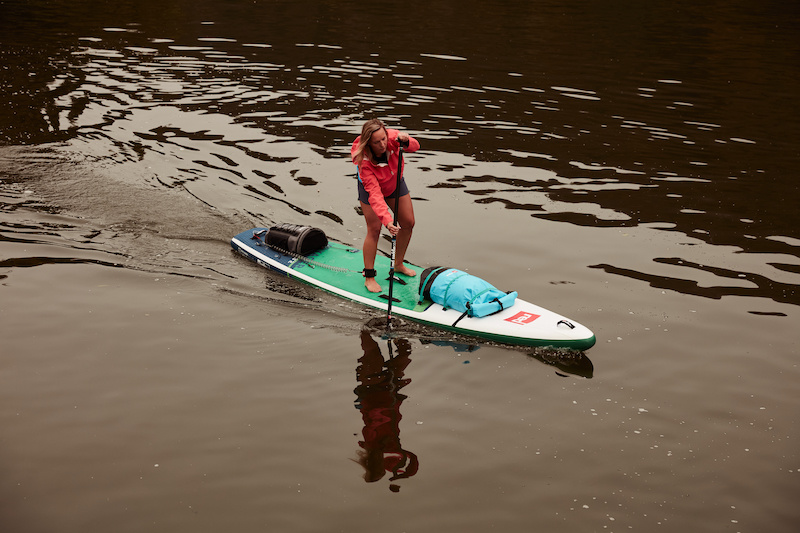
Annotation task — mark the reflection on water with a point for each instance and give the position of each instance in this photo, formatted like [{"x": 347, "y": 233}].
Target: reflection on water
[
  {"x": 379, "y": 399},
  {"x": 246, "y": 109},
  {"x": 756, "y": 285},
  {"x": 574, "y": 363},
  {"x": 256, "y": 117}
]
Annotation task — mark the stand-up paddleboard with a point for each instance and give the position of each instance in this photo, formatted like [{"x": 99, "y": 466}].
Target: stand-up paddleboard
[{"x": 336, "y": 268}]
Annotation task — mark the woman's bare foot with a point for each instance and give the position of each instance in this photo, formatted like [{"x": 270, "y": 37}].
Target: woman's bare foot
[
  {"x": 402, "y": 269},
  {"x": 372, "y": 285}
]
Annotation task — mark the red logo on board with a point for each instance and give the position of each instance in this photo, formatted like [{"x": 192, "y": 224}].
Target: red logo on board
[{"x": 522, "y": 318}]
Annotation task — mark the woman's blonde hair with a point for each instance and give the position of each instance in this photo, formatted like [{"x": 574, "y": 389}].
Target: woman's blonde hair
[{"x": 363, "y": 150}]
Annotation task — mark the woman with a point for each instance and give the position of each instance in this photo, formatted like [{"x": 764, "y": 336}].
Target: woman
[{"x": 375, "y": 153}]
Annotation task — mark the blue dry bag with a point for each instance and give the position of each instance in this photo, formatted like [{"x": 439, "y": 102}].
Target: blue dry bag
[{"x": 454, "y": 289}]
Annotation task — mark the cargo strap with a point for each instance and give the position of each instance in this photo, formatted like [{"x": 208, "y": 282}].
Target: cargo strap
[
  {"x": 435, "y": 272},
  {"x": 468, "y": 312}
]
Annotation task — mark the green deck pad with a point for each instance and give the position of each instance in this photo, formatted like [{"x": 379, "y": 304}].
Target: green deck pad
[{"x": 350, "y": 278}]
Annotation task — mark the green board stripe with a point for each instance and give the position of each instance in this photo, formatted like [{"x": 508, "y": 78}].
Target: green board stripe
[{"x": 351, "y": 261}]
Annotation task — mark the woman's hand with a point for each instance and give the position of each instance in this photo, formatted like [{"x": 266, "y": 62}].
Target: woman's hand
[
  {"x": 402, "y": 137},
  {"x": 394, "y": 229}
]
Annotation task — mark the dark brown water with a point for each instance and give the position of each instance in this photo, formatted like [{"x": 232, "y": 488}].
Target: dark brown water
[{"x": 631, "y": 166}]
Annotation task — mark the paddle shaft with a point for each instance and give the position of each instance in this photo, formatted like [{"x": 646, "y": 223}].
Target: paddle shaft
[{"x": 394, "y": 237}]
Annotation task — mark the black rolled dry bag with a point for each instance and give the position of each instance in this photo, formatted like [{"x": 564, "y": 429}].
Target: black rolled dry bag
[{"x": 301, "y": 240}]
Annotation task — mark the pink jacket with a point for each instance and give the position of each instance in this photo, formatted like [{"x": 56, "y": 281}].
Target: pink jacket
[{"x": 380, "y": 180}]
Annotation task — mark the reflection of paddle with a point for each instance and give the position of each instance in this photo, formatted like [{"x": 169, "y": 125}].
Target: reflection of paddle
[{"x": 394, "y": 237}]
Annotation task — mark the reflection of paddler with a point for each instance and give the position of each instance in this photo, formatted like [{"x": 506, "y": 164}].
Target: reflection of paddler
[{"x": 379, "y": 400}]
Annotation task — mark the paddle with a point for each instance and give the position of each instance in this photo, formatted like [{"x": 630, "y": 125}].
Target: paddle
[{"x": 394, "y": 237}]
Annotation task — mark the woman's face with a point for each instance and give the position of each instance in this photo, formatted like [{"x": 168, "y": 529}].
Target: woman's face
[{"x": 378, "y": 142}]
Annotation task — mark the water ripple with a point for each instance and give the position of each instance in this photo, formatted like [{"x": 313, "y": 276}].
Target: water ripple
[{"x": 150, "y": 93}]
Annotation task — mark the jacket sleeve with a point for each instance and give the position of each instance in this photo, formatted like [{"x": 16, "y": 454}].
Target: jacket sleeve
[{"x": 376, "y": 199}]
